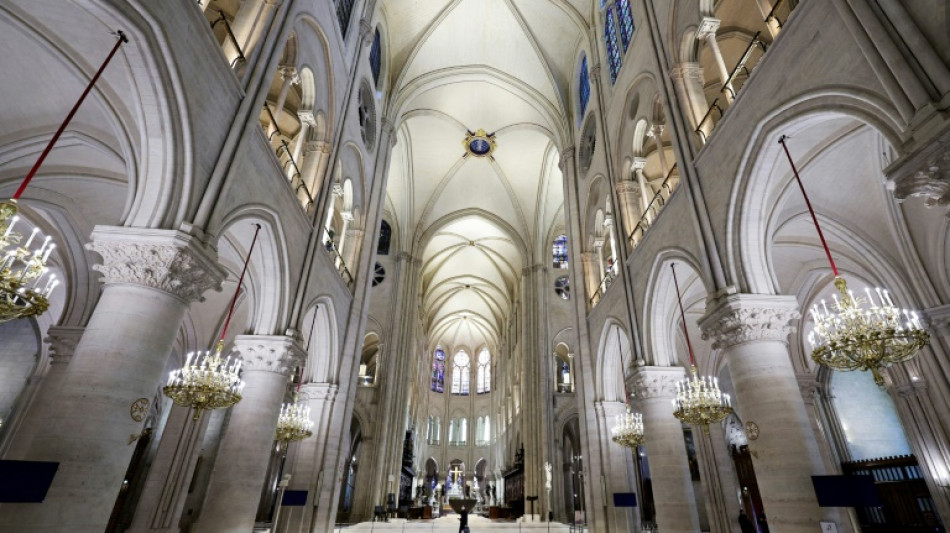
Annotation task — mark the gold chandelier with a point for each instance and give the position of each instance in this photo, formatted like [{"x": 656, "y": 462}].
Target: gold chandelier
[
  {"x": 210, "y": 381},
  {"x": 207, "y": 381},
  {"x": 628, "y": 429},
  {"x": 294, "y": 423},
  {"x": 855, "y": 333},
  {"x": 24, "y": 286},
  {"x": 699, "y": 401}
]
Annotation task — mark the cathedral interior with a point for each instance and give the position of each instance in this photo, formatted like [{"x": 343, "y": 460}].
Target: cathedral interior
[{"x": 302, "y": 266}]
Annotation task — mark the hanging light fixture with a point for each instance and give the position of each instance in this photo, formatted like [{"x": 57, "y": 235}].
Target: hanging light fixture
[
  {"x": 699, "y": 401},
  {"x": 208, "y": 380},
  {"x": 857, "y": 333},
  {"x": 24, "y": 286},
  {"x": 294, "y": 422},
  {"x": 628, "y": 427}
]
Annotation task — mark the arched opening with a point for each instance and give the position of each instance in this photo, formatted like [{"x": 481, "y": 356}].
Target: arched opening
[{"x": 350, "y": 468}]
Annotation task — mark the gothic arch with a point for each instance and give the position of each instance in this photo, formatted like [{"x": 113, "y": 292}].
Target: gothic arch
[{"x": 613, "y": 363}]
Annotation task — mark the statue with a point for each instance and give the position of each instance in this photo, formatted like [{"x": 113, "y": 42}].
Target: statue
[{"x": 547, "y": 476}]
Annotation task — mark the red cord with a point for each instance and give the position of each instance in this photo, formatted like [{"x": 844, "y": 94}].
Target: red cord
[
  {"x": 814, "y": 219},
  {"x": 689, "y": 345},
  {"x": 69, "y": 117},
  {"x": 237, "y": 290}
]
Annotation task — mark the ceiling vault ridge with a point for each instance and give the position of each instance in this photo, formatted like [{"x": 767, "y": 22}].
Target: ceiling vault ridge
[
  {"x": 539, "y": 52},
  {"x": 512, "y": 197},
  {"x": 417, "y": 46}
]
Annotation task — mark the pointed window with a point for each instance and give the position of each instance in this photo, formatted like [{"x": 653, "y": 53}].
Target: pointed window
[
  {"x": 583, "y": 87},
  {"x": 461, "y": 374},
  {"x": 484, "y": 372},
  {"x": 376, "y": 58},
  {"x": 385, "y": 236},
  {"x": 626, "y": 23},
  {"x": 610, "y": 39},
  {"x": 344, "y": 8},
  {"x": 559, "y": 251},
  {"x": 438, "y": 371}
]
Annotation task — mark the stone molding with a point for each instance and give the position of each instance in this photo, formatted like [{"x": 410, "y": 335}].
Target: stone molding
[
  {"x": 269, "y": 353},
  {"x": 318, "y": 391},
  {"x": 925, "y": 173},
  {"x": 168, "y": 260},
  {"x": 62, "y": 342},
  {"x": 628, "y": 187},
  {"x": 610, "y": 409},
  {"x": 685, "y": 71},
  {"x": 567, "y": 155},
  {"x": 740, "y": 318},
  {"x": 808, "y": 385},
  {"x": 651, "y": 382},
  {"x": 708, "y": 26}
]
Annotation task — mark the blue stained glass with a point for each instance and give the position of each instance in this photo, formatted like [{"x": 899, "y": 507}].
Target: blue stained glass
[
  {"x": 438, "y": 371},
  {"x": 344, "y": 8},
  {"x": 560, "y": 252},
  {"x": 626, "y": 23},
  {"x": 610, "y": 38},
  {"x": 376, "y": 58},
  {"x": 584, "y": 87},
  {"x": 479, "y": 146}
]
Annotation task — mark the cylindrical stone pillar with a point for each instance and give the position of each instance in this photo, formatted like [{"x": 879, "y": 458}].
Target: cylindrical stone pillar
[
  {"x": 655, "y": 388},
  {"x": 150, "y": 278},
  {"x": 241, "y": 464},
  {"x": 752, "y": 332}
]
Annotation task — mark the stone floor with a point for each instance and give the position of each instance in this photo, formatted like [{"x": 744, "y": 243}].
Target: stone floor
[{"x": 451, "y": 523}]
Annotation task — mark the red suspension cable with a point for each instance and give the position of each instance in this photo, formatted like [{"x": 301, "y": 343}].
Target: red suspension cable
[
  {"x": 679, "y": 298},
  {"x": 237, "y": 290},
  {"x": 811, "y": 211},
  {"x": 62, "y": 127}
]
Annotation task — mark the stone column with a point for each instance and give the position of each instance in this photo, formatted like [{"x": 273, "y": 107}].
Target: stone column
[
  {"x": 656, "y": 133},
  {"x": 305, "y": 463},
  {"x": 627, "y": 192},
  {"x": 313, "y": 167},
  {"x": 707, "y": 31},
  {"x": 242, "y": 460},
  {"x": 688, "y": 82},
  {"x": 351, "y": 254},
  {"x": 646, "y": 194},
  {"x": 62, "y": 345},
  {"x": 612, "y": 236},
  {"x": 162, "y": 500},
  {"x": 719, "y": 479},
  {"x": 621, "y": 474},
  {"x": 589, "y": 260},
  {"x": 347, "y": 217},
  {"x": 752, "y": 332},
  {"x": 655, "y": 388},
  {"x": 248, "y": 24},
  {"x": 150, "y": 278}
]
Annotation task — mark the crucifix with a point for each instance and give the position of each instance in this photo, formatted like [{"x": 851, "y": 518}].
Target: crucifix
[{"x": 456, "y": 475}]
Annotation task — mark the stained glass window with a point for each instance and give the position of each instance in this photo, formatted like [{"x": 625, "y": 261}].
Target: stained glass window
[
  {"x": 438, "y": 371},
  {"x": 610, "y": 39},
  {"x": 559, "y": 251},
  {"x": 626, "y": 22},
  {"x": 344, "y": 8},
  {"x": 385, "y": 236},
  {"x": 484, "y": 372},
  {"x": 376, "y": 57},
  {"x": 461, "y": 374},
  {"x": 583, "y": 86}
]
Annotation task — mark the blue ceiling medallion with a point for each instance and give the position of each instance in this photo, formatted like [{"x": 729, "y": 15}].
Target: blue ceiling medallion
[{"x": 479, "y": 143}]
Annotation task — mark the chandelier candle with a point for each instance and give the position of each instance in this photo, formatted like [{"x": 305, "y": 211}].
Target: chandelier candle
[
  {"x": 210, "y": 382},
  {"x": 856, "y": 333},
  {"x": 698, "y": 398}
]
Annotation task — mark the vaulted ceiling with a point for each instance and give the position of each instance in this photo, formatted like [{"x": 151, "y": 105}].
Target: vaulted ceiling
[{"x": 457, "y": 66}]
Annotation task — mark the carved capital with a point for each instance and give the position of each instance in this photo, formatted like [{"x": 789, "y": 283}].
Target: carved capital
[
  {"x": 595, "y": 72},
  {"x": 289, "y": 72},
  {"x": 687, "y": 71},
  {"x": 707, "y": 27},
  {"x": 656, "y": 381},
  {"x": 926, "y": 174},
  {"x": 307, "y": 117},
  {"x": 170, "y": 261},
  {"x": 626, "y": 187},
  {"x": 318, "y": 392},
  {"x": 655, "y": 131},
  {"x": 337, "y": 189},
  {"x": 741, "y": 318},
  {"x": 268, "y": 353},
  {"x": 638, "y": 164},
  {"x": 62, "y": 342},
  {"x": 567, "y": 156},
  {"x": 366, "y": 32}
]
